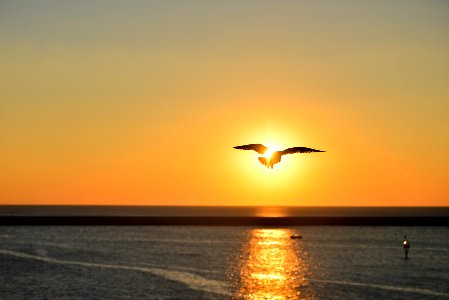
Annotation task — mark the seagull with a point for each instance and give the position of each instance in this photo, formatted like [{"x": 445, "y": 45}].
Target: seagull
[{"x": 271, "y": 158}]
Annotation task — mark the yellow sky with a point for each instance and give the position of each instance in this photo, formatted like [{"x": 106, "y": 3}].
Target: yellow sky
[{"x": 141, "y": 102}]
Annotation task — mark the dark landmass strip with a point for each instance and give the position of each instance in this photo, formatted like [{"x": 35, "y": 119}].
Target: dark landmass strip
[
  {"x": 219, "y": 211},
  {"x": 219, "y": 221}
]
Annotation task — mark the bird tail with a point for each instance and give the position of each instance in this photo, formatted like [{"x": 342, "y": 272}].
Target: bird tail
[{"x": 263, "y": 161}]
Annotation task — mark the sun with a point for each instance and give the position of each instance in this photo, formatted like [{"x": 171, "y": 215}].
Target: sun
[{"x": 268, "y": 154}]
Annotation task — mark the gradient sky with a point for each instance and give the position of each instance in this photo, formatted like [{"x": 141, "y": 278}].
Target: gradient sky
[{"x": 141, "y": 102}]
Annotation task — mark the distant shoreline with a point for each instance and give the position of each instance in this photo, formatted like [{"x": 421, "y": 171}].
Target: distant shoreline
[
  {"x": 219, "y": 211},
  {"x": 219, "y": 221},
  {"x": 47, "y": 215}
]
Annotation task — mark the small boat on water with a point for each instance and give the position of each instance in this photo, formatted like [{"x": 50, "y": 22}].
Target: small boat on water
[{"x": 296, "y": 236}]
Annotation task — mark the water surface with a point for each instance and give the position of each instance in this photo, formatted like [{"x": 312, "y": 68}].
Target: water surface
[{"x": 112, "y": 262}]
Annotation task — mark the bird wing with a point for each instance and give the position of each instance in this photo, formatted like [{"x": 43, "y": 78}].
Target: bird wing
[
  {"x": 259, "y": 148},
  {"x": 299, "y": 150}
]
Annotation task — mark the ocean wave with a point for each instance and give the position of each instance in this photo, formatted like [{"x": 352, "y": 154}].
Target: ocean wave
[
  {"x": 193, "y": 281},
  {"x": 179, "y": 268},
  {"x": 427, "y": 292},
  {"x": 354, "y": 246}
]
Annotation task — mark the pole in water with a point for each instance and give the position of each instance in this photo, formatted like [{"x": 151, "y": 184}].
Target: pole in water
[{"x": 406, "y": 245}]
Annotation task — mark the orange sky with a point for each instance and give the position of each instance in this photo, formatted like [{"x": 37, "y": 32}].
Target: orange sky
[{"x": 142, "y": 102}]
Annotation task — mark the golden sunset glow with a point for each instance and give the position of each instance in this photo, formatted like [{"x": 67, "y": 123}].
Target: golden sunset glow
[
  {"x": 141, "y": 103},
  {"x": 271, "y": 268},
  {"x": 268, "y": 154}
]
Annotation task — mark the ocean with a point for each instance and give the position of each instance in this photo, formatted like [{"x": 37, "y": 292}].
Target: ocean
[{"x": 223, "y": 262}]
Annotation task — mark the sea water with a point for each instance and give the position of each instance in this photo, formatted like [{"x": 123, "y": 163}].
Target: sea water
[{"x": 173, "y": 262}]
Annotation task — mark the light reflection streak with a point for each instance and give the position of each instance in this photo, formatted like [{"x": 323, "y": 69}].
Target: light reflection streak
[{"x": 271, "y": 267}]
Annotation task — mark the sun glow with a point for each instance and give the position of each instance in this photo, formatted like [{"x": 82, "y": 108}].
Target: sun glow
[
  {"x": 268, "y": 154},
  {"x": 271, "y": 149},
  {"x": 271, "y": 185}
]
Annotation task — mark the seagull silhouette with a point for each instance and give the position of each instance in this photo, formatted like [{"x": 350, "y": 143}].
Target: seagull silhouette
[{"x": 276, "y": 155}]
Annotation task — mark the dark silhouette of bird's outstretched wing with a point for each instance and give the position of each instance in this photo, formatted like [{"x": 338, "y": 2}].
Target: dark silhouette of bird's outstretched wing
[
  {"x": 259, "y": 148},
  {"x": 275, "y": 156},
  {"x": 299, "y": 150}
]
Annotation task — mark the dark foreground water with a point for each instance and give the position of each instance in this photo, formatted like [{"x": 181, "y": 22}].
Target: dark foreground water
[{"x": 223, "y": 263}]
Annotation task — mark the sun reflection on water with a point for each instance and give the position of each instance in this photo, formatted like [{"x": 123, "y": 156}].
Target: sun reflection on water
[{"x": 271, "y": 267}]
